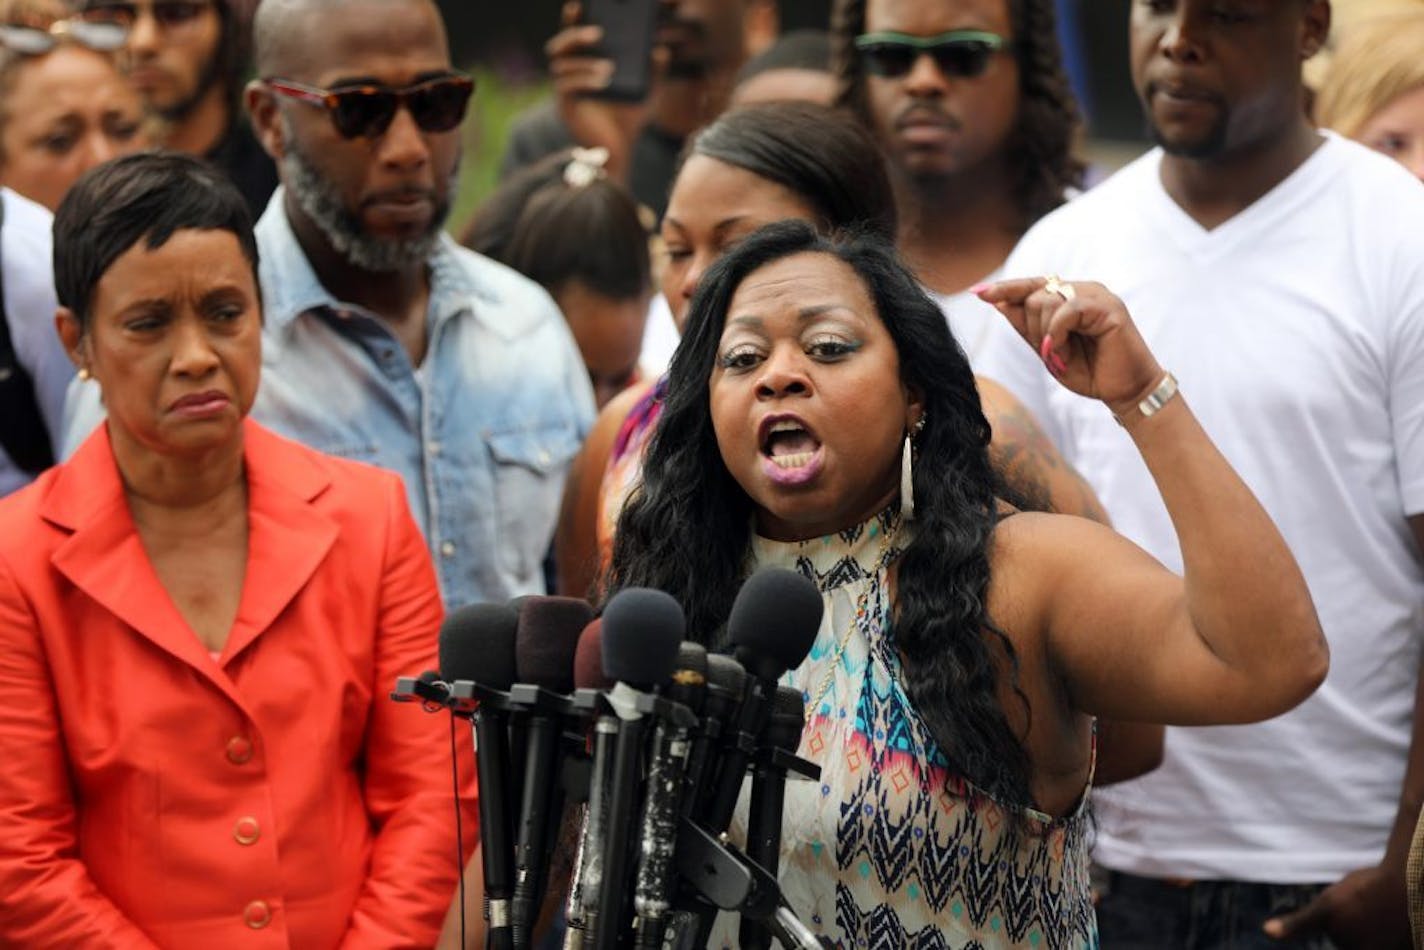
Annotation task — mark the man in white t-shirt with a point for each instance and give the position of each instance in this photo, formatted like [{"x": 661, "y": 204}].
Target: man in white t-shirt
[{"x": 1280, "y": 274}]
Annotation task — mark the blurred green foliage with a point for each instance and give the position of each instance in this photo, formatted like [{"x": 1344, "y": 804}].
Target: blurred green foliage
[{"x": 497, "y": 102}]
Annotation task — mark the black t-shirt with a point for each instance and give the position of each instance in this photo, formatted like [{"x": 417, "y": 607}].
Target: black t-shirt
[{"x": 247, "y": 165}]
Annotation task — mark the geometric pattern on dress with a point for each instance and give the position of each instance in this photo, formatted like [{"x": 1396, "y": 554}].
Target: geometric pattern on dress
[{"x": 890, "y": 849}]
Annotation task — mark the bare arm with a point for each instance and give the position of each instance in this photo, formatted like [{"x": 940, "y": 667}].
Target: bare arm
[
  {"x": 1032, "y": 465},
  {"x": 1236, "y": 638},
  {"x": 577, "y": 558}
]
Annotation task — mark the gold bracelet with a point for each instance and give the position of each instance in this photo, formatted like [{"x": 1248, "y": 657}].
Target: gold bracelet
[{"x": 1155, "y": 400}]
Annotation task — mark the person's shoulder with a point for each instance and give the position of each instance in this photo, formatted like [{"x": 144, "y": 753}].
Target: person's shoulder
[
  {"x": 523, "y": 303},
  {"x": 1119, "y": 192},
  {"x": 1117, "y": 198},
  {"x": 313, "y": 473},
  {"x": 27, "y": 231},
  {"x": 22, "y": 522},
  {"x": 1360, "y": 175}
]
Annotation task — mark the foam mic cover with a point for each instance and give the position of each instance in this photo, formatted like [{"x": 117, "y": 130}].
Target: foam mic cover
[
  {"x": 787, "y": 720},
  {"x": 688, "y": 684},
  {"x": 547, "y": 637},
  {"x": 588, "y": 658},
  {"x": 774, "y": 620},
  {"x": 477, "y": 645},
  {"x": 642, "y": 632}
]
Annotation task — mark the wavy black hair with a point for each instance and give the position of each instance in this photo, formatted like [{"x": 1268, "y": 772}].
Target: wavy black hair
[
  {"x": 687, "y": 529},
  {"x": 1040, "y": 149}
]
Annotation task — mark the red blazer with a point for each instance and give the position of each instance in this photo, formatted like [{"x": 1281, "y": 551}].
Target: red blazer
[{"x": 274, "y": 797}]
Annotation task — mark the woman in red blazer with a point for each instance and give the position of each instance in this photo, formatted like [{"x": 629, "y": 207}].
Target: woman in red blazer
[{"x": 200, "y": 624}]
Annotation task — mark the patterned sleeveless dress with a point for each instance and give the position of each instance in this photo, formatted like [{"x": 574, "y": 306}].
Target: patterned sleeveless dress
[{"x": 889, "y": 850}]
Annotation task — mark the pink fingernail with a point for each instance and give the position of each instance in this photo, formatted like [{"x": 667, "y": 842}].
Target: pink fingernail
[
  {"x": 980, "y": 287},
  {"x": 1045, "y": 349},
  {"x": 1056, "y": 364}
]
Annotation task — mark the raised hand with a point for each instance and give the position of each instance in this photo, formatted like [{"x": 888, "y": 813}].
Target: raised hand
[
  {"x": 579, "y": 74},
  {"x": 1083, "y": 334}
]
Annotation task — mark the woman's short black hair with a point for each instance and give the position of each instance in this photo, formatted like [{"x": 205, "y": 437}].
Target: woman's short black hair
[
  {"x": 147, "y": 196},
  {"x": 818, "y": 153},
  {"x": 553, "y": 230}
]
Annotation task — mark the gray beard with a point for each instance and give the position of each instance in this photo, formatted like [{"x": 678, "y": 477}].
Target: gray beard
[{"x": 322, "y": 203}]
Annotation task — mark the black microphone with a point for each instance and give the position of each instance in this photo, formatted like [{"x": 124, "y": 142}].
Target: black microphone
[
  {"x": 477, "y": 646},
  {"x": 667, "y": 771},
  {"x": 642, "y": 632},
  {"x": 581, "y": 907},
  {"x": 545, "y": 643},
  {"x": 772, "y": 626},
  {"x": 726, "y": 683},
  {"x": 781, "y": 738}
]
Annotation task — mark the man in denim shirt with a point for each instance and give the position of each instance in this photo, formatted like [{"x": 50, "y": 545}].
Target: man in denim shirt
[{"x": 385, "y": 340}]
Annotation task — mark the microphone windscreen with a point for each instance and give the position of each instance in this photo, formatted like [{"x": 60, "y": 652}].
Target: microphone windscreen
[
  {"x": 776, "y": 615},
  {"x": 588, "y": 658},
  {"x": 477, "y": 644},
  {"x": 787, "y": 720},
  {"x": 548, "y": 635},
  {"x": 727, "y": 673},
  {"x": 642, "y": 631},
  {"x": 689, "y": 676}
]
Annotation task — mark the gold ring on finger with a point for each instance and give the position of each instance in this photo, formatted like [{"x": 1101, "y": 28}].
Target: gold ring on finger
[{"x": 1062, "y": 288}]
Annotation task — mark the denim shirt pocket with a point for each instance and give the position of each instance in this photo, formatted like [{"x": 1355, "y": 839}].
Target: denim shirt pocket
[{"x": 530, "y": 465}]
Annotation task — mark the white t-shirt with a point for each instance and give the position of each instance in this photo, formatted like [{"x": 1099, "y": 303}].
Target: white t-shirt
[
  {"x": 975, "y": 327},
  {"x": 1296, "y": 330},
  {"x": 29, "y": 310},
  {"x": 660, "y": 338}
]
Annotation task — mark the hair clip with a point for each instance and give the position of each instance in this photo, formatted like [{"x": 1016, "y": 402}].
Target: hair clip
[{"x": 586, "y": 166}]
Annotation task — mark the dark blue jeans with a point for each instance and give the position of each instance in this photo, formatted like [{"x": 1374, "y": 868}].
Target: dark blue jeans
[{"x": 1140, "y": 913}]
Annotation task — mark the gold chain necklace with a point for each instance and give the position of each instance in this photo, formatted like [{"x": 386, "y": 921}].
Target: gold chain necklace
[{"x": 862, "y": 603}]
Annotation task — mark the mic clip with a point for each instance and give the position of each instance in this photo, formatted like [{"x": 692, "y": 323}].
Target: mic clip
[{"x": 627, "y": 703}]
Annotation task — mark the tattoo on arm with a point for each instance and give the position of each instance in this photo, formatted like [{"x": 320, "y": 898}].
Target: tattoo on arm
[{"x": 1033, "y": 468}]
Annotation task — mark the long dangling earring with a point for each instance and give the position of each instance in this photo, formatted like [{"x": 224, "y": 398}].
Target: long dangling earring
[{"x": 907, "y": 471}]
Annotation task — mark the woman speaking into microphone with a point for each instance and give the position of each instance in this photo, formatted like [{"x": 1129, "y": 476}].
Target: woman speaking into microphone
[
  {"x": 819, "y": 417},
  {"x": 200, "y": 623}
]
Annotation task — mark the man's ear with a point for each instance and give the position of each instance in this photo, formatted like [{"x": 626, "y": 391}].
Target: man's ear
[
  {"x": 266, "y": 120},
  {"x": 71, "y": 334},
  {"x": 1315, "y": 28}
]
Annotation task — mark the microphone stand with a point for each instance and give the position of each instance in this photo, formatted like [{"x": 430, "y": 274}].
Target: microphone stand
[
  {"x": 725, "y": 879},
  {"x": 764, "y": 829}
]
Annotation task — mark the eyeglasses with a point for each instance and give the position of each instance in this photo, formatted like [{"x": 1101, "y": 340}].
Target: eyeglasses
[
  {"x": 36, "y": 41},
  {"x": 436, "y": 105},
  {"x": 168, "y": 14},
  {"x": 959, "y": 53}
]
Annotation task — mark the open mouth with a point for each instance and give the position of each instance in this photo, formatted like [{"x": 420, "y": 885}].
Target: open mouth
[{"x": 788, "y": 444}]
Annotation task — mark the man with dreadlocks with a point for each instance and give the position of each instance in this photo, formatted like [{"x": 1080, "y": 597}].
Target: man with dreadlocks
[
  {"x": 972, "y": 107},
  {"x": 187, "y": 58},
  {"x": 970, "y": 102}
]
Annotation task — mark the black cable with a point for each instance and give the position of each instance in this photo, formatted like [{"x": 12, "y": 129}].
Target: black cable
[{"x": 459, "y": 831}]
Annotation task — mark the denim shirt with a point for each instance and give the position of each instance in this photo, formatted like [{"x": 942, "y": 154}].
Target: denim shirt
[{"x": 482, "y": 433}]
